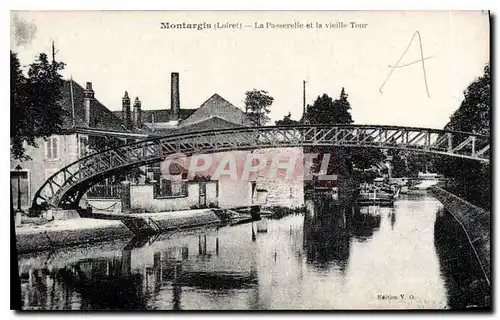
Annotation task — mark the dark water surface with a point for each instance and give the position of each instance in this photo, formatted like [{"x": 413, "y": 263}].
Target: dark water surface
[{"x": 335, "y": 257}]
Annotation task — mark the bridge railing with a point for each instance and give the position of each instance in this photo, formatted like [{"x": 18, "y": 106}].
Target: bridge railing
[
  {"x": 65, "y": 182},
  {"x": 105, "y": 191}
]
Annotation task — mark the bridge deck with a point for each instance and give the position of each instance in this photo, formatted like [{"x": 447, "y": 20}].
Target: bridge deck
[{"x": 66, "y": 187}]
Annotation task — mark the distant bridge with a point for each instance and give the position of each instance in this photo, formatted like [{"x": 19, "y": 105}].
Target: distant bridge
[{"x": 65, "y": 188}]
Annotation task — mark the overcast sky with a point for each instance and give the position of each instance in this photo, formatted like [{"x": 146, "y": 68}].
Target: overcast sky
[{"x": 120, "y": 51}]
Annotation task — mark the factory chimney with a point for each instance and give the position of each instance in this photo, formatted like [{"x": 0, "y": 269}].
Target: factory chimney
[{"x": 174, "y": 98}]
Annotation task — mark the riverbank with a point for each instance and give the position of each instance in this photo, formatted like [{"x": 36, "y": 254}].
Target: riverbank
[
  {"x": 329, "y": 258},
  {"x": 105, "y": 249},
  {"x": 476, "y": 223},
  {"x": 32, "y": 237}
]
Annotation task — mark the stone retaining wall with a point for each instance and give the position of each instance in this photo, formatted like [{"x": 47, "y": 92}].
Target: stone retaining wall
[
  {"x": 52, "y": 239},
  {"x": 475, "y": 221},
  {"x": 87, "y": 230}
]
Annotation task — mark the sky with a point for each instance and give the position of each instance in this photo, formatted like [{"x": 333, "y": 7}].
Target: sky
[{"x": 119, "y": 50}]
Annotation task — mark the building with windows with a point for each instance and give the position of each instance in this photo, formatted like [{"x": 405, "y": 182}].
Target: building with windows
[
  {"x": 89, "y": 126},
  {"x": 158, "y": 193}
]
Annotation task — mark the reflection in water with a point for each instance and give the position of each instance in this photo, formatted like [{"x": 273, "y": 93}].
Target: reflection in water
[
  {"x": 326, "y": 235},
  {"x": 366, "y": 222},
  {"x": 461, "y": 271},
  {"x": 99, "y": 283},
  {"x": 111, "y": 283},
  {"x": 393, "y": 218},
  {"x": 334, "y": 257}
]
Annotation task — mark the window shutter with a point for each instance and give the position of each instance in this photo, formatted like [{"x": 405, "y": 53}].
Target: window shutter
[
  {"x": 80, "y": 150},
  {"x": 85, "y": 146},
  {"x": 47, "y": 148},
  {"x": 157, "y": 176},
  {"x": 168, "y": 187},
  {"x": 184, "y": 188},
  {"x": 55, "y": 146}
]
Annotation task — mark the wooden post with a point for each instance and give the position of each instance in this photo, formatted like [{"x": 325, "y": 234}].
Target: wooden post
[
  {"x": 125, "y": 197},
  {"x": 126, "y": 262}
]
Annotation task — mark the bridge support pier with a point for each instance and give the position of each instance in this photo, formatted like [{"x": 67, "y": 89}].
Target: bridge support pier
[{"x": 125, "y": 197}]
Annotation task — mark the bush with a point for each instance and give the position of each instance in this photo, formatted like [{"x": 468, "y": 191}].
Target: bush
[
  {"x": 204, "y": 206},
  {"x": 279, "y": 212}
]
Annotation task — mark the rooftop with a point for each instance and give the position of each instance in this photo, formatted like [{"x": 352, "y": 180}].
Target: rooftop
[
  {"x": 101, "y": 118},
  {"x": 160, "y": 115}
]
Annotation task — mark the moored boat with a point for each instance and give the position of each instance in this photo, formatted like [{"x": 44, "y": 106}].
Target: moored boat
[{"x": 376, "y": 195}]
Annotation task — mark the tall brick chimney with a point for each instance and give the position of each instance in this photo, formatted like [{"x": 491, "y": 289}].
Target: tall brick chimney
[
  {"x": 127, "y": 121},
  {"x": 137, "y": 113},
  {"x": 88, "y": 96},
  {"x": 174, "y": 97}
]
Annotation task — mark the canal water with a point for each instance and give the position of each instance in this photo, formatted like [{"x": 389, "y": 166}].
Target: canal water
[{"x": 334, "y": 257}]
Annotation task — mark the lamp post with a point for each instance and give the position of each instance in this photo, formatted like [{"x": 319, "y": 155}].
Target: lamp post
[{"x": 18, "y": 169}]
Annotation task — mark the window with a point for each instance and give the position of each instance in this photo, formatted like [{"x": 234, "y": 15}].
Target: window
[
  {"x": 52, "y": 148},
  {"x": 83, "y": 142},
  {"x": 149, "y": 176},
  {"x": 171, "y": 188},
  {"x": 177, "y": 187},
  {"x": 153, "y": 172}
]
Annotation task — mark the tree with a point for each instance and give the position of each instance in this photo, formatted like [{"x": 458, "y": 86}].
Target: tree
[
  {"x": 321, "y": 111},
  {"x": 327, "y": 111},
  {"x": 257, "y": 103},
  {"x": 471, "y": 179},
  {"x": 342, "y": 108},
  {"x": 365, "y": 158},
  {"x": 35, "y": 111},
  {"x": 475, "y": 110},
  {"x": 287, "y": 121},
  {"x": 19, "y": 118},
  {"x": 399, "y": 162}
]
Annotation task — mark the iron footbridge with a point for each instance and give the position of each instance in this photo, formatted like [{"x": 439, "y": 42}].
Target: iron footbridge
[{"x": 65, "y": 188}]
